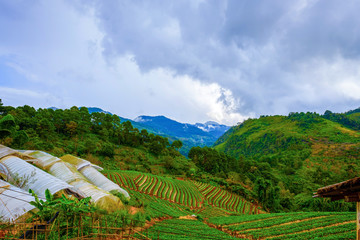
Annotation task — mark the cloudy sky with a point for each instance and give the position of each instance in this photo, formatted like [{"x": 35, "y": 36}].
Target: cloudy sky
[{"x": 190, "y": 60}]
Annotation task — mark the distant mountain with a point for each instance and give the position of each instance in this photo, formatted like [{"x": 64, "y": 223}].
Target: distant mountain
[
  {"x": 171, "y": 127},
  {"x": 213, "y": 128},
  {"x": 95, "y": 109},
  {"x": 199, "y": 134}
]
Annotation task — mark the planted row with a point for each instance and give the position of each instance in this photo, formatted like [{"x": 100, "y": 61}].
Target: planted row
[
  {"x": 276, "y": 221},
  {"x": 123, "y": 179},
  {"x": 223, "y": 199},
  {"x": 174, "y": 190},
  {"x": 298, "y": 225},
  {"x": 342, "y": 231},
  {"x": 177, "y": 229},
  {"x": 301, "y": 226},
  {"x": 229, "y": 220}
]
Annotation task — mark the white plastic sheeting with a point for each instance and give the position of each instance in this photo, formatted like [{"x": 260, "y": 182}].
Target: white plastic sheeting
[
  {"x": 33, "y": 177},
  {"x": 94, "y": 176},
  {"x": 79, "y": 163},
  {"x": 101, "y": 181},
  {"x": 14, "y": 202},
  {"x": 68, "y": 173},
  {"x": 5, "y": 151},
  {"x": 43, "y": 160}
]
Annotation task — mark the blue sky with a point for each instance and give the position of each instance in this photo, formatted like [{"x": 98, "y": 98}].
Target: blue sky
[{"x": 190, "y": 60}]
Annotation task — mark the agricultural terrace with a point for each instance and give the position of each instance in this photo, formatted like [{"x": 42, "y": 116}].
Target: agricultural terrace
[
  {"x": 211, "y": 211},
  {"x": 218, "y": 197},
  {"x": 173, "y": 190},
  {"x": 123, "y": 179},
  {"x": 157, "y": 208},
  {"x": 179, "y": 229},
  {"x": 298, "y": 225}
]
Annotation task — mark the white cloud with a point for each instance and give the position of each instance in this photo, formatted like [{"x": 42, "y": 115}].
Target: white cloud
[
  {"x": 20, "y": 97},
  {"x": 191, "y": 61},
  {"x": 70, "y": 69}
]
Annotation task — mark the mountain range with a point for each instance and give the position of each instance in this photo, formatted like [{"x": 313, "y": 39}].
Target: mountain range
[{"x": 198, "y": 134}]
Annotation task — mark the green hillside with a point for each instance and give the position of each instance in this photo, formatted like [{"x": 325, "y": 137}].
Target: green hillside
[{"x": 301, "y": 153}]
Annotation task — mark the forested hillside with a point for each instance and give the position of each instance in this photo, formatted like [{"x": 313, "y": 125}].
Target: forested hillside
[
  {"x": 295, "y": 155},
  {"x": 99, "y": 137}
]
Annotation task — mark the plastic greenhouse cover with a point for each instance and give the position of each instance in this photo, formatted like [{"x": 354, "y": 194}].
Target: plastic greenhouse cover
[
  {"x": 94, "y": 176},
  {"x": 14, "y": 202},
  {"x": 79, "y": 162},
  {"x": 5, "y": 151},
  {"x": 33, "y": 177},
  {"x": 101, "y": 181},
  {"x": 68, "y": 173},
  {"x": 43, "y": 159}
]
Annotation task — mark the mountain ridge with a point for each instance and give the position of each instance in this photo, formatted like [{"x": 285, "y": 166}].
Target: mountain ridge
[{"x": 198, "y": 134}]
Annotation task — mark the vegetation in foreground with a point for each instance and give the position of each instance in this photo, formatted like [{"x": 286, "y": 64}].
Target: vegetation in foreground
[{"x": 299, "y": 225}]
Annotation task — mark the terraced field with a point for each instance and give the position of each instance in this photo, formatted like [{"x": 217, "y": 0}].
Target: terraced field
[
  {"x": 181, "y": 192},
  {"x": 167, "y": 197},
  {"x": 218, "y": 197},
  {"x": 299, "y": 225},
  {"x": 124, "y": 179},
  {"x": 179, "y": 229},
  {"x": 160, "y": 208},
  {"x": 172, "y": 190}
]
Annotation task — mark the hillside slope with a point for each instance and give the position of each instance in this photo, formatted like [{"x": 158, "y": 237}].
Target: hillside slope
[{"x": 302, "y": 151}]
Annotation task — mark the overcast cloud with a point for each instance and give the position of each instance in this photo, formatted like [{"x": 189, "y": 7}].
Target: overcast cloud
[{"x": 190, "y": 60}]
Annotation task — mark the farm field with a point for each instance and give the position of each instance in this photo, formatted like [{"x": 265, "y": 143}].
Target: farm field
[
  {"x": 225, "y": 212},
  {"x": 298, "y": 225},
  {"x": 190, "y": 194},
  {"x": 220, "y": 198},
  {"x": 177, "y": 229}
]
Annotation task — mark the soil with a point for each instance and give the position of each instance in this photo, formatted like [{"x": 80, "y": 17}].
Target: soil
[{"x": 189, "y": 217}]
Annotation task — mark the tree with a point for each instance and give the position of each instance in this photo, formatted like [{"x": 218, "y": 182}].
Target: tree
[
  {"x": 71, "y": 128},
  {"x": 177, "y": 144}
]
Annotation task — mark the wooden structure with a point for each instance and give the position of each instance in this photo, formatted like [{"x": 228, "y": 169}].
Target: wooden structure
[{"x": 349, "y": 191}]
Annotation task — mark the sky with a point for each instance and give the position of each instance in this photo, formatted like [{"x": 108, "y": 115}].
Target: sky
[{"x": 190, "y": 60}]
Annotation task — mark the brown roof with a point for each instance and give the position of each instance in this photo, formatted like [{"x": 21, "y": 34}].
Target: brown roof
[{"x": 348, "y": 190}]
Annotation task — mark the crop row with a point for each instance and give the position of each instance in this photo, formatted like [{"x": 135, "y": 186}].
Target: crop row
[
  {"x": 212, "y": 211},
  {"x": 182, "y": 229},
  {"x": 230, "y": 220},
  {"x": 158, "y": 207},
  {"x": 296, "y": 225},
  {"x": 276, "y": 221},
  {"x": 342, "y": 231},
  {"x": 155, "y": 207},
  {"x": 301, "y": 226},
  {"x": 174, "y": 190},
  {"x": 223, "y": 199},
  {"x": 122, "y": 179}
]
